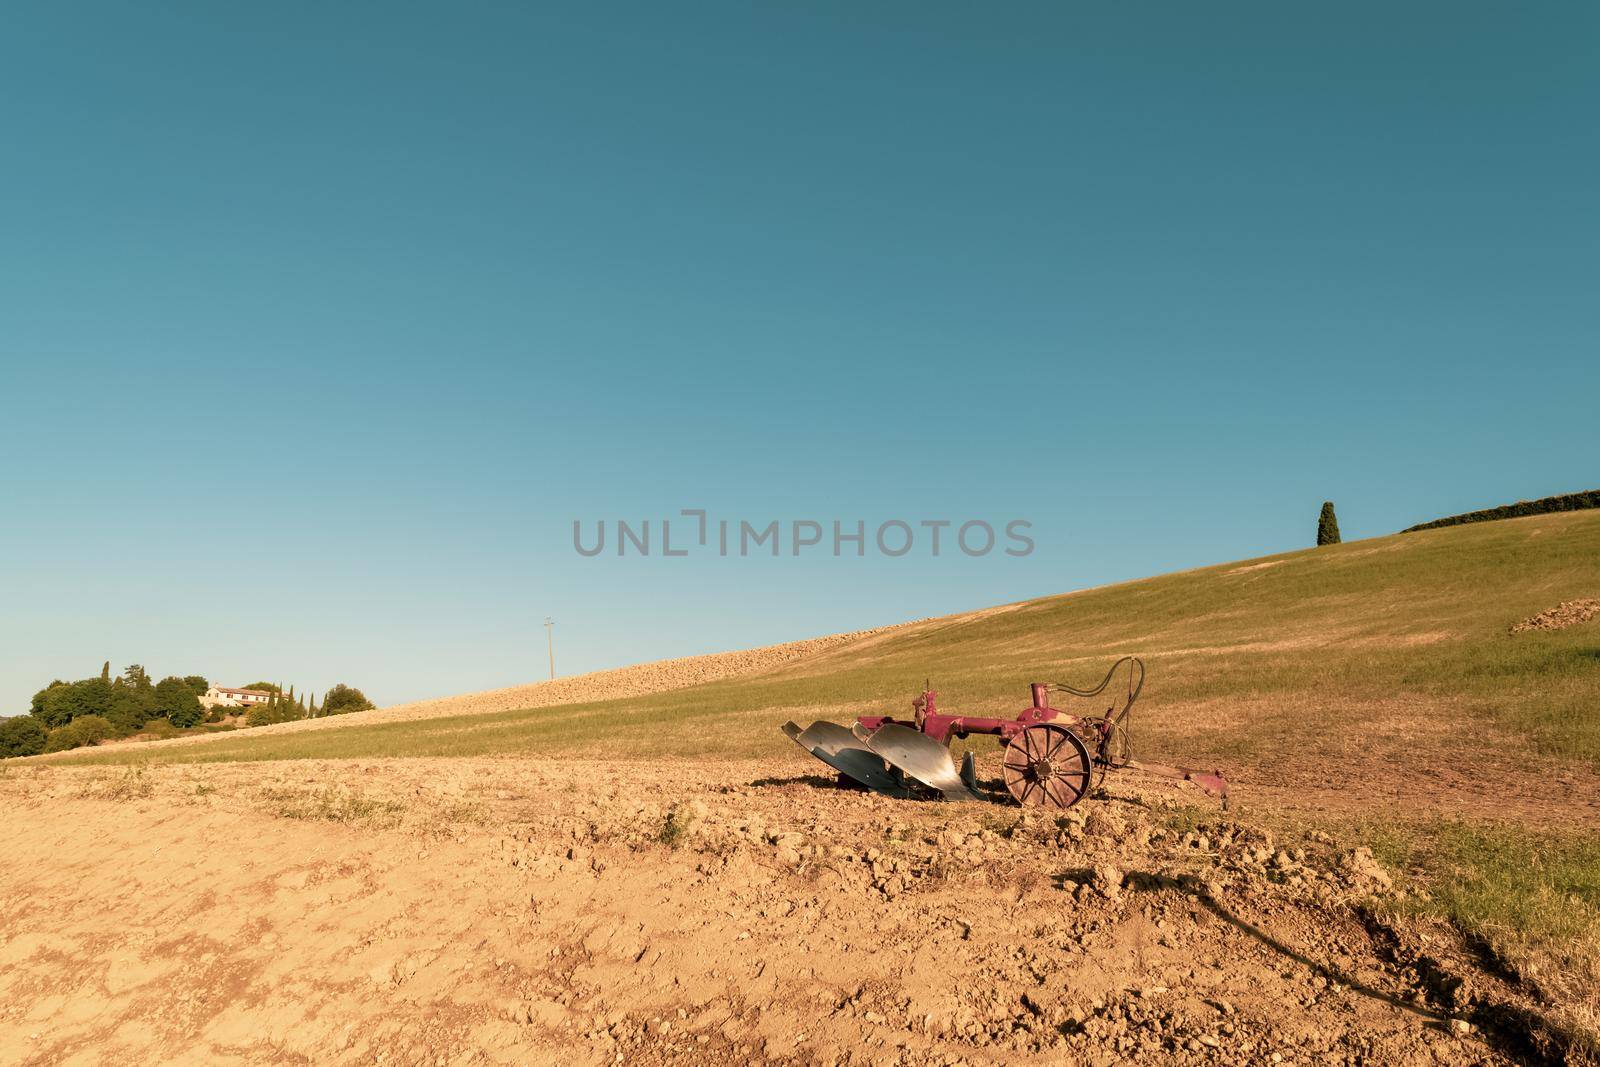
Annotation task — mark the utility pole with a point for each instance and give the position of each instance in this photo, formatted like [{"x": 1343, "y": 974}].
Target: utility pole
[{"x": 550, "y": 643}]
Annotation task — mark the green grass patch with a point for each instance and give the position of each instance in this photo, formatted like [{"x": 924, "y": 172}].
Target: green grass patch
[
  {"x": 162, "y": 730},
  {"x": 673, "y": 828},
  {"x": 1532, "y": 897},
  {"x": 1523, "y": 891},
  {"x": 1528, "y": 897},
  {"x": 1300, "y": 652}
]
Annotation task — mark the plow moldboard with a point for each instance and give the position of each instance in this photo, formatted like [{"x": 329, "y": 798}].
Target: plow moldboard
[
  {"x": 921, "y": 757},
  {"x": 839, "y": 749}
]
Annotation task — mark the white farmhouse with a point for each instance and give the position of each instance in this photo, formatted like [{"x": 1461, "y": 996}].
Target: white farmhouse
[{"x": 221, "y": 695}]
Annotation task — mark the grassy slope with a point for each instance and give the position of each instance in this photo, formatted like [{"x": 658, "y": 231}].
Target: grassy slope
[{"x": 1396, "y": 642}]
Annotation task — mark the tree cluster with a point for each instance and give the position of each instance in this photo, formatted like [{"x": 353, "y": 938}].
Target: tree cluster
[
  {"x": 67, "y": 715},
  {"x": 1542, "y": 506},
  {"x": 123, "y": 704},
  {"x": 284, "y": 706},
  {"x": 22, "y": 736}
]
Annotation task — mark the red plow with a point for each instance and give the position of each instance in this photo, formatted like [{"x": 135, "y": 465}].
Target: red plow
[{"x": 1053, "y": 759}]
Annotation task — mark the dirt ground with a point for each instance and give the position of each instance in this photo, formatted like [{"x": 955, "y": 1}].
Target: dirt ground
[
  {"x": 517, "y": 911},
  {"x": 1565, "y": 614}
]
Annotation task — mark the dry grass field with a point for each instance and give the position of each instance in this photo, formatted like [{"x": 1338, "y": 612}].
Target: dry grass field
[{"x": 637, "y": 867}]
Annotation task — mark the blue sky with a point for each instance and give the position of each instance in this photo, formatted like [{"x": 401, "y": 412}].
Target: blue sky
[{"x": 320, "y": 324}]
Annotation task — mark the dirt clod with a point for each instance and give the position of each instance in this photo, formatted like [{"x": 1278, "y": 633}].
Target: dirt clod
[{"x": 1565, "y": 614}]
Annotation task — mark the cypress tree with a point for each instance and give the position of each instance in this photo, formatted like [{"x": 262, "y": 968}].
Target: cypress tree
[
  {"x": 1327, "y": 525},
  {"x": 105, "y": 672}
]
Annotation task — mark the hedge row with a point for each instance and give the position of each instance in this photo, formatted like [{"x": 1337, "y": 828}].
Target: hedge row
[{"x": 1565, "y": 502}]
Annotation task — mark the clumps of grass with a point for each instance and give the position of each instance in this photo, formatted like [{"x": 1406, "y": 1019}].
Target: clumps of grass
[
  {"x": 331, "y": 804},
  {"x": 465, "y": 811},
  {"x": 1519, "y": 884},
  {"x": 1532, "y": 897},
  {"x": 1005, "y": 823},
  {"x": 1579, "y": 1030},
  {"x": 680, "y": 818},
  {"x": 459, "y": 813},
  {"x": 1182, "y": 818},
  {"x": 131, "y": 784},
  {"x": 673, "y": 828}
]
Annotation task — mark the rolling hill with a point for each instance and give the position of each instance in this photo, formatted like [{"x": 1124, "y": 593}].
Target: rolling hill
[{"x": 1378, "y": 668}]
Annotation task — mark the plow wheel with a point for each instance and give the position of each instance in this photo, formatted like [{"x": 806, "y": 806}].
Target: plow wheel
[{"x": 1047, "y": 766}]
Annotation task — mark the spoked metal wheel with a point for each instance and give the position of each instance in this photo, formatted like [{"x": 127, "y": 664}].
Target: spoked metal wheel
[{"x": 1047, "y": 766}]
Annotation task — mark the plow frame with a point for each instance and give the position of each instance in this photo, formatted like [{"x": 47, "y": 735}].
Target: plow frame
[
  {"x": 1052, "y": 758},
  {"x": 946, "y": 728}
]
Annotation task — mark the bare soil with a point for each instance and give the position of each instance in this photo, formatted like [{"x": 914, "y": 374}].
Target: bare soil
[
  {"x": 516, "y": 911},
  {"x": 1565, "y": 614}
]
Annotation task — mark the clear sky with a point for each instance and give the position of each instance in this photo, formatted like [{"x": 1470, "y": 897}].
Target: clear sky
[{"x": 321, "y": 323}]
